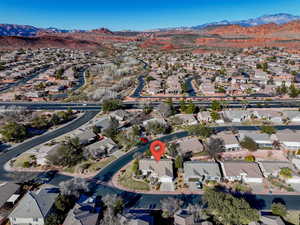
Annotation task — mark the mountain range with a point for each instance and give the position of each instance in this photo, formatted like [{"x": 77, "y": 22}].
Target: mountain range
[{"x": 29, "y": 31}]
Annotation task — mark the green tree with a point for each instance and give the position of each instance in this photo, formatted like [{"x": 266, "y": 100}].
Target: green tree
[
  {"x": 268, "y": 129},
  {"x": 13, "y": 131},
  {"x": 40, "y": 122},
  {"x": 178, "y": 162},
  {"x": 156, "y": 128},
  {"x": 249, "y": 144},
  {"x": 200, "y": 130},
  {"x": 64, "y": 203},
  {"x": 54, "y": 219},
  {"x": 293, "y": 92},
  {"x": 279, "y": 209},
  {"x": 286, "y": 172},
  {"x": 111, "y": 105},
  {"x": 229, "y": 210},
  {"x": 190, "y": 108},
  {"x": 135, "y": 166},
  {"x": 214, "y": 115},
  {"x": 250, "y": 158},
  {"x": 216, "y": 105},
  {"x": 68, "y": 154}
]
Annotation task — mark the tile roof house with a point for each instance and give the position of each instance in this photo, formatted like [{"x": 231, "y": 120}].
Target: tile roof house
[
  {"x": 201, "y": 171},
  {"x": 104, "y": 147},
  {"x": 236, "y": 116},
  {"x": 273, "y": 116},
  {"x": 204, "y": 116},
  {"x": 163, "y": 169},
  {"x": 190, "y": 145},
  {"x": 34, "y": 207},
  {"x": 289, "y": 139},
  {"x": 231, "y": 142},
  {"x": 187, "y": 119},
  {"x": 272, "y": 168},
  {"x": 184, "y": 217},
  {"x": 269, "y": 220},
  {"x": 248, "y": 172},
  {"x": 262, "y": 140},
  {"x": 292, "y": 115},
  {"x": 84, "y": 213},
  {"x": 104, "y": 122},
  {"x": 120, "y": 115},
  {"x": 86, "y": 137}
]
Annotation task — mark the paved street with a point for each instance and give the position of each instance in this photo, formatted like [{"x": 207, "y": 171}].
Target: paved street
[{"x": 13, "y": 152}]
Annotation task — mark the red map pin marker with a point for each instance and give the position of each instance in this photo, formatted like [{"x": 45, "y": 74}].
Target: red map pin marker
[{"x": 157, "y": 149}]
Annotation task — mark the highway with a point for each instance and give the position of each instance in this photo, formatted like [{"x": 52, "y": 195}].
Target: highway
[{"x": 287, "y": 103}]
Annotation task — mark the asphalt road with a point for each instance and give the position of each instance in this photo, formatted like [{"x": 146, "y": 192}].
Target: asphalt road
[
  {"x": 292, "y": 103},
  {"x": 152, "y": 201},
  {"x": 13, "y": 152}
]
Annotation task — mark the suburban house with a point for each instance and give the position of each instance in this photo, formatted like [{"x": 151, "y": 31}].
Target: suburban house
[
  {"x": 272, "y": 168},
  {"x": 163, "y": 169},
  {"x": 34, "y": 207},
  {"x": 120, "y": 115},
  {"x": 136, "y": 217},
  {"x": 231, "y": 142},
  {"x": 83, "y": 213},
  {"x": 269, "y": 220},
  {"x": 187, "y": 119},
  {"x": 86, "y": 137},
  {"x": 190, "y": 145},
  {"x": 201, "y": 171},
  {"x": 236, "y": 116},
  {"x": 154, "y": 120},
  {"x": 9, "y": 195},
  {"x": 292, "y": 115},
  {"x": 104, "y": 123},
  {"x": 204, "y": 116},
  {"x": 269, "y": 115},
  {"x": 248, "y": 172},
  {"x": 184, "y": 217},
  {"x": 262, "y": 140},
  {"x": 289, "y": 139},
  {"x": 104, "y": 147}
]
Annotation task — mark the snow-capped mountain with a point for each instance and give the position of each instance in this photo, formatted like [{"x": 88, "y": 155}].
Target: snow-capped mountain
[{"x": 280, "y": 18}]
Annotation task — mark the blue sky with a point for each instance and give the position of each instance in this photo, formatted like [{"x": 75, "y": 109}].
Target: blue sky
[{"x": 136, "y": 15}]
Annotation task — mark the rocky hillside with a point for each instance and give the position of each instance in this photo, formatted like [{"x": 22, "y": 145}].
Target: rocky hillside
[{"x": 15, "y": 42}]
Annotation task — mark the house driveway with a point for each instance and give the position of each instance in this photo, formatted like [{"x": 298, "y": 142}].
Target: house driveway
[
  {"x": 257, "y": 187},
  {"x": 296, "y": 187},
  {"x": 167, "y": 186}
]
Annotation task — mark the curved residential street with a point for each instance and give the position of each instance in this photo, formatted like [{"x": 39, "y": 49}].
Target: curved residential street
[{"x": 23, "y": 147}]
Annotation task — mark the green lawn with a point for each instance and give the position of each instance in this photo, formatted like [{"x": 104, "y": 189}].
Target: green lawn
[{"x": 127, "y": 181}]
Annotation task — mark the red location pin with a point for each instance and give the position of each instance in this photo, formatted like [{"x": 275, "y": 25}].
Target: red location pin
[{"x": 157, "y": 149}]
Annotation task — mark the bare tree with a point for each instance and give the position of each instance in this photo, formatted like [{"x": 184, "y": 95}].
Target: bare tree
[
  {"x": 74, "y": 187},
  {"x": 165, "y": 109},
  {"x": 215, "y": 146},
  {"x": 170, "y": 206}
]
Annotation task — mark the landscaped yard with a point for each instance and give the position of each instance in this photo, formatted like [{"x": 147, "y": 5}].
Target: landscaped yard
[
  {"x": 126, "y": 180},
  {"x": 293, "y": 217},
  {"x": 19, "y": 163},
  {"x": 90, "y": 166}
]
